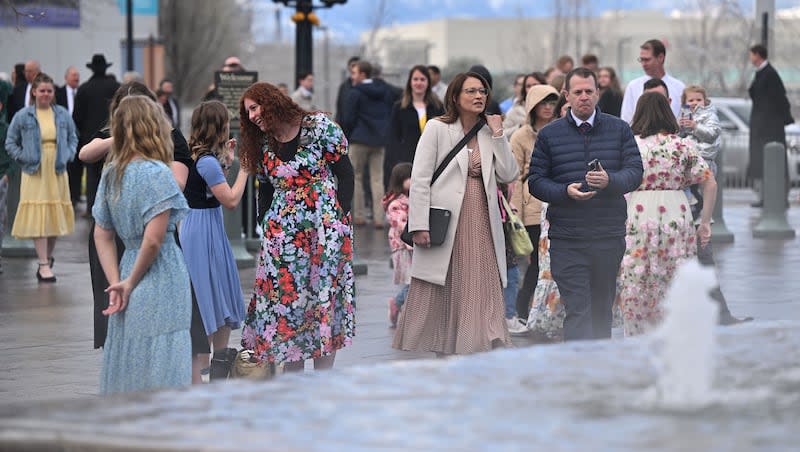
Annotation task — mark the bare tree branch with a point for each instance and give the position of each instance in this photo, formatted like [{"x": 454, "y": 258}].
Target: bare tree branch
[{"x": 197, "y": 37}]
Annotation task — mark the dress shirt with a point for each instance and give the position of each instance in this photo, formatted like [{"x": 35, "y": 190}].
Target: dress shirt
[
  {"x": 579, "y": 121},
  {"x": 635, "y": 89}
]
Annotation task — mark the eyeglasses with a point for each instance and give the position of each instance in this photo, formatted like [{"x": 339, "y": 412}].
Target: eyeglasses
[
  {"x": 549, "y": 103},
  {"x": 644, "y": 60},
  {"x": 476, "y": 91}
]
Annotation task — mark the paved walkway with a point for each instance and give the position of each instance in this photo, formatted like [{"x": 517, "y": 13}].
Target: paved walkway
[{"x": 46, "y": 330}]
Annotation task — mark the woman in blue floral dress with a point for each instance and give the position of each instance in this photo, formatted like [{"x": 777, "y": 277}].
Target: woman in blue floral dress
[
  {"x": 150, "y": 307},
  {"x": 302, "y": 305}
]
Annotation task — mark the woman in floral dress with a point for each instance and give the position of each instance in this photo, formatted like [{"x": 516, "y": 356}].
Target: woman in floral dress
[
  {"x": 660, "y": 230},
  {"x": 303, "y": 301}
]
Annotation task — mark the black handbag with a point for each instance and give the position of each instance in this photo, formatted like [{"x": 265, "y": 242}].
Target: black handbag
[{"x": 439, "y": 219}]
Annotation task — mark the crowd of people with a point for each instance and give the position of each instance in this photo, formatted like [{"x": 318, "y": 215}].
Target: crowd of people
[{"x": 611, "y": 191}]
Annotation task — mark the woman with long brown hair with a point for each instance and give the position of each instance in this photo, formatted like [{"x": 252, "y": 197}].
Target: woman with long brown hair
[
  {"x": 205, "y": 245},
  {"x": 660, "y": 230},
  {"x": 455, "y": 301},
  {"x": 409, "y": 115},
  {"x": 302, "y": 305},
  {"x": 610, "y": 92}
]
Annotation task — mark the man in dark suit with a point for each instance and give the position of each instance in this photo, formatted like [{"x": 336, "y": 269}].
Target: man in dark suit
[
  {"x": 91, "y": 114},
  {"x": 770, "y": 114},
  {"x": 171, "y": 105},
  {"x": 65, "y": 96},
  {"x": 21, "y": 95}
]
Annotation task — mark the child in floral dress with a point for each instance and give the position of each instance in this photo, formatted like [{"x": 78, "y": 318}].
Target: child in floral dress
[{"x": 395, "y": 203}]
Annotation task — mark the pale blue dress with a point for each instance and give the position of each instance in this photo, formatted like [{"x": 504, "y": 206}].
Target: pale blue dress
[{"x": 148, "y": 344}]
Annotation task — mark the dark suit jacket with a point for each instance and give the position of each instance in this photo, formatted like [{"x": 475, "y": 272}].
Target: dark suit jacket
[
  {"x": 16, "y": 101},
  {"x": 61, "y": 96},
  {"x": 770, "y": 114},
  {"x": 91, "y": 106},
  {"x": 404, "y": 133}
]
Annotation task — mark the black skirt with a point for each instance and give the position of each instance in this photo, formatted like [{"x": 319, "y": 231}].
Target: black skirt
[{"x": 99, "y": 284}]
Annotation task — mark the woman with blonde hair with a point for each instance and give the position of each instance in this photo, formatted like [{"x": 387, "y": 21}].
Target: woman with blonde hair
[
  {"x": 455, "y": 301},
  {"x": 148, "y": 344},
  {"x": 42, "y": 139}
]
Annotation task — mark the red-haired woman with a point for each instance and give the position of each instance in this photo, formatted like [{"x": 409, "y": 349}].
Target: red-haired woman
[{"x": 302, "y": 305}]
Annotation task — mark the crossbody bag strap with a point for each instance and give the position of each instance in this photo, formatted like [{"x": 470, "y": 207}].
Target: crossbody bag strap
[{"x": 472, "y": 132}]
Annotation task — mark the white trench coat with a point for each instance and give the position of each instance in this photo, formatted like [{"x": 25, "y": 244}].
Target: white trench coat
[{"x": 498, "y": 165}]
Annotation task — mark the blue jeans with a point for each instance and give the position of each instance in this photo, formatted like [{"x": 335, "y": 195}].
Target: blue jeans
[
  {"x": 400, "y": 298},
  {"x": 511, "y": 290}
]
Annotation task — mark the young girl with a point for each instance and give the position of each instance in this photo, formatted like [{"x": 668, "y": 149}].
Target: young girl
[
  {"x": 703, "y": 125},
  {"x": 206, "y": 248},
  {"x": 150, "y": 305},
  {"x": 396, "y": 205}
]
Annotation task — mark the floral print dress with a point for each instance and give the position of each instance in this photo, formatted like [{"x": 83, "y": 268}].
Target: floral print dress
[
  {"x": 303, "y": 301},
  {"x": 660, "y": 230}
]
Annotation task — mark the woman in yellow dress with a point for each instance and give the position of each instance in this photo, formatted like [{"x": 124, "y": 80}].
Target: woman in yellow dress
[{"x": 42, "y": 139}]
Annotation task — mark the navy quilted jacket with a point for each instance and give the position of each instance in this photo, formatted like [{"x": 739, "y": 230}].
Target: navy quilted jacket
[{"x": 560, "y": 157}]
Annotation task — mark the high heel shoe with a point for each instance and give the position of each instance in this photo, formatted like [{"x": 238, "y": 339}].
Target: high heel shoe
[{"x": 49, "y": 279}]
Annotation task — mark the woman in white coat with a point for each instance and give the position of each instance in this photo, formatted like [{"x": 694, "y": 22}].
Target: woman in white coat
[{"x": 455, "y": 300}]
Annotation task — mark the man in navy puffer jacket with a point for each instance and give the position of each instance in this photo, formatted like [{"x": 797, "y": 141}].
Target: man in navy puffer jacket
[
  {"x": 587, "y": 210},
  {"x": 365, "y": 122}
]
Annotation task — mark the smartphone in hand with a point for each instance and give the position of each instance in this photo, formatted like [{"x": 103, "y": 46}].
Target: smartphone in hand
[{"x": 594, "y": 165}]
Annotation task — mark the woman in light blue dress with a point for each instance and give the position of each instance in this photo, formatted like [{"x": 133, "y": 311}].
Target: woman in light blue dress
[{"x": 148, "y": 344}]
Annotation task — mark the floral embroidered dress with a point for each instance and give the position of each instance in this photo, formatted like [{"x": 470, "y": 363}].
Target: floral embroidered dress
[
  {"x": 660, "y": 230},
  {"x": 547, "y": 312},
  {"x": 303, "y": 301}
]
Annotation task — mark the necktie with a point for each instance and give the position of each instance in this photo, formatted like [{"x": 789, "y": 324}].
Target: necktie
[{"x": 585, "y": 128}]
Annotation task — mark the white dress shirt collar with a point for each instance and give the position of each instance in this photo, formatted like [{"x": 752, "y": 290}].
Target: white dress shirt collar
[{"x": 579, "y": 121}]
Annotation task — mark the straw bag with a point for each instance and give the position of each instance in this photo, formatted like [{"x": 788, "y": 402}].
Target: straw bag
[{"x": 246, "y": 366}]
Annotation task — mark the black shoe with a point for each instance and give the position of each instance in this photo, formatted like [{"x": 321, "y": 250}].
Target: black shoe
[
  {"x": 49, "y": 279},
  {"x": 221, "y": 364},
  {"x": 757, "y": 204}
]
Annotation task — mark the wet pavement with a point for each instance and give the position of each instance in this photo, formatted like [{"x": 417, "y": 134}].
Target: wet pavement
[{"x": 46, "y": 330}]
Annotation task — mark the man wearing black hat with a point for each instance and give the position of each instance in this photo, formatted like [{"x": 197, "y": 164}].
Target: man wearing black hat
[{"x": 91, "y": 114}]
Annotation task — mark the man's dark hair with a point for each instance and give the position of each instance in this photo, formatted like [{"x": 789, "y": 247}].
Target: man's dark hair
[
  {"x": 655, "y": 46},
  {"x": 365, "y": 67},
  {"x": 166, "y": 80},
  {"x": 581, "y": 72},
  {"x": 352, "y": 60},
  {"x": 589, "y": 58},
  {"x": 303, "y": 76},
  {"x": 655, "y": 83},
  {"x": 434, "y": 69},
  {"x": 760, "y": 50}
]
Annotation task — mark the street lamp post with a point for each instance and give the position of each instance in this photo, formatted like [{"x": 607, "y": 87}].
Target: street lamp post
[{"x": 304, "y": 18}]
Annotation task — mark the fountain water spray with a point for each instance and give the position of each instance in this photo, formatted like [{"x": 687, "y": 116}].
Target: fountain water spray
[{"x": 686, "y": 340}]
